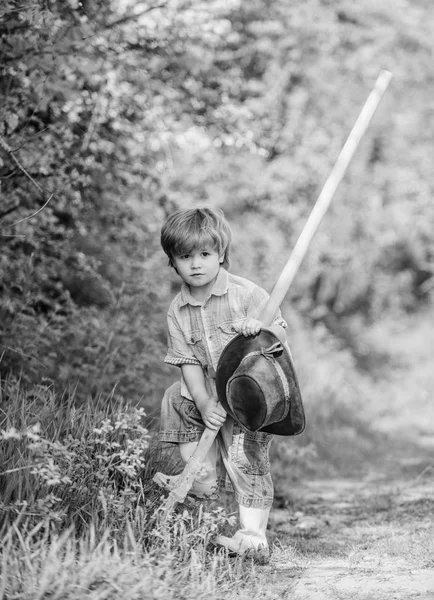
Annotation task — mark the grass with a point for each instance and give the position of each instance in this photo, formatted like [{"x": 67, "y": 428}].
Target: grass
[
  {"x": 80, "y": 515},
  {"x": 70, "y": 567},
  {"x": 70, "y": 463}
]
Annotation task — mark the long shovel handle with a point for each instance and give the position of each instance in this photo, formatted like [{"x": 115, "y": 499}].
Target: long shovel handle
[
  {"x": 191, "y": 469},
  {"x": 320, "y": 208}
]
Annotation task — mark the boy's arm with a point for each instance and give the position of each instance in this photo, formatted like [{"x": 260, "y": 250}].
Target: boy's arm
[{"x": 212, "y": 412}]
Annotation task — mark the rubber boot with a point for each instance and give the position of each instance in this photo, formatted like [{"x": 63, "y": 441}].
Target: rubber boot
[
  {"x": 205, "y": 484},
  {"x": 251, "y": 538}
]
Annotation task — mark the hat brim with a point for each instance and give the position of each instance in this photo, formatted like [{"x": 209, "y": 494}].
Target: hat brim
[{"x": 234, "y": 352}]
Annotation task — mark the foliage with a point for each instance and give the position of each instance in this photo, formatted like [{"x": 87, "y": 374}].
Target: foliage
[
  {"x": 71, "y": 567},
  {"x": 66, "y": 464},
  {"x": 76, "y": 490},
  {"x": 116, "y": 113},
  {"x": 113, "y": 114}
]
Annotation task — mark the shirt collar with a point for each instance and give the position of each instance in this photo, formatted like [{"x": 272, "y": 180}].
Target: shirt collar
[{"x": 219, "y": 288}]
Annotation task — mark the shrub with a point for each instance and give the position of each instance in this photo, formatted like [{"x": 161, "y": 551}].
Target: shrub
[{"x": 68, "y": 464}]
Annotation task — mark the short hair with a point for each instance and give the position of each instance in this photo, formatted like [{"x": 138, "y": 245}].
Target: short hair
[{"x": 188, "y": 229}]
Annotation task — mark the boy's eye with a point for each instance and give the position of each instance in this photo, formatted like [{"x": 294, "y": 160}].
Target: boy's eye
[
  {"x": 205, "y": 253},
  {"x": 184, "y": 256}
]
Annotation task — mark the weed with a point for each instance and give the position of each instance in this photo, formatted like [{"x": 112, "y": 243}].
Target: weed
[
  {"x": 70, "y": 464},
  {"x": 79, "y": 511}
]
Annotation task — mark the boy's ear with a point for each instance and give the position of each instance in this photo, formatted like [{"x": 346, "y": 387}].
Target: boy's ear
[{"x": 222, "y": 258}]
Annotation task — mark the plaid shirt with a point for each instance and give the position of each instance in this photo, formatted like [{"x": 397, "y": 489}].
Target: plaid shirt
[{"x": 199, "y": 331}]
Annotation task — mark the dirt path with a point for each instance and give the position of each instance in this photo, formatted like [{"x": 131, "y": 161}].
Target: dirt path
[
  {"x": 371, "y": 537},
  {"x": 357, "y": 540}
]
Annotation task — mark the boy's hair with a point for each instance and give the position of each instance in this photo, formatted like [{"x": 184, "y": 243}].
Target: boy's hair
[{"x": 188, "y": 229}]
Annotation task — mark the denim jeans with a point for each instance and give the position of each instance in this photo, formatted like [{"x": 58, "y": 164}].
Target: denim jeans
[{"x": 244, "y": 455}]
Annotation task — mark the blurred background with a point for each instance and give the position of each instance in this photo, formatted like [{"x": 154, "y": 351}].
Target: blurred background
[{"x": 114, "y": 114}]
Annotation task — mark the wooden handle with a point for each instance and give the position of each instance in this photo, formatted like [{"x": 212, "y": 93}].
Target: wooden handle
[
  {"x": 191, "y": 469},
  {"x": 290, "y": 269}
]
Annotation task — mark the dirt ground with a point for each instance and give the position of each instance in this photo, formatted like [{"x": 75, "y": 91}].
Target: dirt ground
[
  {"x": 369, "y": 536},
  {"x": 349, "y": 539}
]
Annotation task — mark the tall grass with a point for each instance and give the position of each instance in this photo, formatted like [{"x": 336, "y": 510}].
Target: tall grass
[
  {"x": 80, "y": 516},
  {"x": 72, "y": 567},
  {"x": 70, "y": 463}
]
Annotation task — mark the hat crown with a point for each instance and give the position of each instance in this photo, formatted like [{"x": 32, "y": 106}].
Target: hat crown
[{"x": 258, "y": 391}]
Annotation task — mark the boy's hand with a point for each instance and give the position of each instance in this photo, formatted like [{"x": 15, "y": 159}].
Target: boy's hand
[
  {"x": 212, "y": 412},
  {"x": 249, "y": 327}
]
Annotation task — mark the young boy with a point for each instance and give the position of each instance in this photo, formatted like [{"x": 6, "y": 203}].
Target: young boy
[{"x": 211, "y": 308}]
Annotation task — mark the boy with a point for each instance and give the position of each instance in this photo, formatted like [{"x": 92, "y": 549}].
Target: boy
[{"x": 211, "y": 308}]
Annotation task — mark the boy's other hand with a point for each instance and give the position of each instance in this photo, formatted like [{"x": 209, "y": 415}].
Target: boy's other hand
[
  {"x": 249, "y": 327},
  {"x": 213, "y": 414}
]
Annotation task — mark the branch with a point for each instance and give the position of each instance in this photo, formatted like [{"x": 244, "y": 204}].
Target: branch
[
  {"x": 76, "y": 45},
  {"x": 21, "y": 354},
  {"x": 5, "y": 177},
  {"x": 10, "y": 151},
  {"x": 96, "y": 113},
  {"x": 133, "y": 16},
  {"x": 29, "y": 216},
  {"x": 16, "y": 173}
]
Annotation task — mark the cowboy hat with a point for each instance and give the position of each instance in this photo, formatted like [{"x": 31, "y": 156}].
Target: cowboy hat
[{"x": 257, "y": 385}]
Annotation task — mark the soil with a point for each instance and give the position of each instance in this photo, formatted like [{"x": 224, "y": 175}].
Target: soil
[{"x": 356, "y": 539}]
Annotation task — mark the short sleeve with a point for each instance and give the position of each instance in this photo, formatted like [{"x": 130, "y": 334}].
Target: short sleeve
[
  {"x": 256, "y": 303},
  {"x": 178, "y": 353}
]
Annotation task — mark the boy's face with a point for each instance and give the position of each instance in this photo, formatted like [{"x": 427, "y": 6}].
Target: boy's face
[{"x": 199, "y": 269}]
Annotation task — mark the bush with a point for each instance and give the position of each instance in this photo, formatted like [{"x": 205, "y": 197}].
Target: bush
[
  {"x": 70, "y": 464},
  {"x": 79, "y": 511}
]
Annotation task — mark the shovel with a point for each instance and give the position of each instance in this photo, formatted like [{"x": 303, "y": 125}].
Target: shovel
[{"x": 194, "y": 464}]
